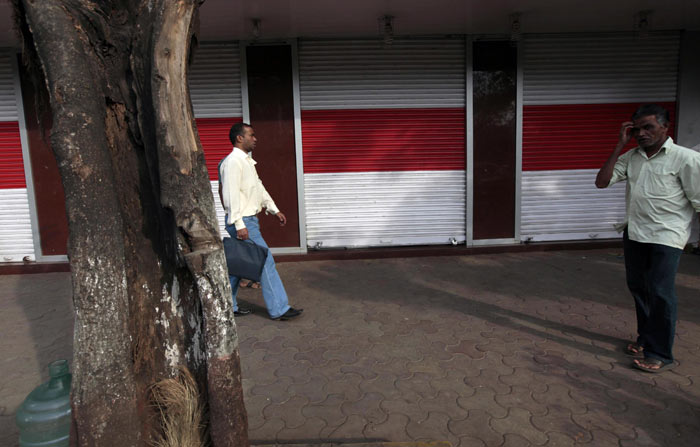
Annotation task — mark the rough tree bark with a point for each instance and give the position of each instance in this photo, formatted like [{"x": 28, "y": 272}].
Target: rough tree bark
[{"x": 148, "y": 270}]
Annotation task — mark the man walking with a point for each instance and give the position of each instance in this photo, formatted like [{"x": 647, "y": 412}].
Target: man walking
[
  {"x": 663, "y": 194},
  {"x": 243, "y": 196}
]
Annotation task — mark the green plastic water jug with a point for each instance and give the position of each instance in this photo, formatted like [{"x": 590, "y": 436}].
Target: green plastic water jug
[{"x": 44, "y": 416}]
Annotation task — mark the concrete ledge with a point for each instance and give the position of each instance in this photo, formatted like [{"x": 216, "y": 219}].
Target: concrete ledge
[{"x": 20, "y": 268}]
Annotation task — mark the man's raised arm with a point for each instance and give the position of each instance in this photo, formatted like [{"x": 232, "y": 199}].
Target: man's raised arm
[{"x": 602, "y": 180}]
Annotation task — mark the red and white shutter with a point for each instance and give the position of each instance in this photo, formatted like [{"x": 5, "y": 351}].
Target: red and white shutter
[
  {"x": 16, "y": 241},
  {"x": 215, "y": 89},
  {"x": 577, "y": 90},
  {"x": 383, "y": 131}
]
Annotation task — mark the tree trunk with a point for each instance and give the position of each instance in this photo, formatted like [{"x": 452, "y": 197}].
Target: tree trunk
[{"x": 151, "y": 291}]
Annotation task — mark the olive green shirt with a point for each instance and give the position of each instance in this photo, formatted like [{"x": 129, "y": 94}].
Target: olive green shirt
[{"x": 662, "y": 195}]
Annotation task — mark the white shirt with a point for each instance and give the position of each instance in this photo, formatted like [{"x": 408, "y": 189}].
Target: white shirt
[
  {"x": 242, "y": 190},
  {"x": 663, "y": 193}
]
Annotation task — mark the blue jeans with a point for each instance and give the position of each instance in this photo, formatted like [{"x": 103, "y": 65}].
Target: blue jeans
[
  {"x": 272, "y": 289},
  {"x": 651, "y": 275}
]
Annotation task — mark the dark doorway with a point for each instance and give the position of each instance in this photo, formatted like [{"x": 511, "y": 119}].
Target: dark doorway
[
  {"x": 494, "y": 95},
  {"x": 271, "y": 104},
  {"x": 48, "y": 189}
]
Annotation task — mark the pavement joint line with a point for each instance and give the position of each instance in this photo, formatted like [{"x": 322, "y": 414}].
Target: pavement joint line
[{"x": 351, "y": 443}]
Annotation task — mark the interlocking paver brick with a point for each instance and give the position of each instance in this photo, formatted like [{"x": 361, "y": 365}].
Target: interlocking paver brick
[
  {"x": 476, "y": 425},
  {"x": 255, "y": 405},
  {"x": 686, "y": 435},
  {"x": 395, "y": 351},
  {"x": 521, "y": 397},
  {"x": 396, "y": 367},
  {"x": 368, "y": 406},
  {"x": 483, "y": 399},
  {"x": 348, "y": 388},
  {"x": 268, "y": 429},
  {"x": 393, "y": 428},
  {"x": 276, "y": 391},
  {"x": 289, "y": 411},
  {"x": 418, "y": 383},
  {"x": 406, "y": 406},
  {"x": 297, "y": 371},
  {"x": 328, "y": 410},
  {"x": 525, "y": 377},
  {"x": 446, "y": 402},
  {"x": 257, "y": 372},
  {"x": 672, "y": 382},
  {"x": 468, "y": 441},
  {"x": 433, "y": 427},
  {"x": 310, "y": 429},
  {"x": 604, "y": 439},
  {"x": 453, "y": 381},
  {"x": 561, "y": 420},
  {"x": 557, "y": 396},
  {"x": 468, "y": 348},
  {"x": 346, "y": 355},
  {"x": 462, "y": 363},
  {"x": 603, "y": 420},
  {"x": 312, "y": 389},
  {"x": 644, "y": 438},
  {"x": 519, "y": 421},
  {"x": 315, "y": 356},
  {"x": 363, "y": 366},
  {"x": 488, "y": 379},
  {"x": 429, "y": 367},
  {"x": 351, "y": 428},
  {"x": 439, "y": 351},
  {"x": 515, "y": 440},
  {"x": 556, "y": 439},
  {"x": 384, "y": 384}
]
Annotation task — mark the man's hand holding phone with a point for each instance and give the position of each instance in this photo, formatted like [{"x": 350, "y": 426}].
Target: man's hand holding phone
[{"x": 627, "y": 131}]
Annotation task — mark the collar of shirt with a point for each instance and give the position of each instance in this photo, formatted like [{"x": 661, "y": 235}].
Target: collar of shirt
[
  {"x": 240, "y": 153},
  {"x": 668, "y": 144}
]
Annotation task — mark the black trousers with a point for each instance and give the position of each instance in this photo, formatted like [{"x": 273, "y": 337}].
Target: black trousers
[{"x": 651, "y": 275}]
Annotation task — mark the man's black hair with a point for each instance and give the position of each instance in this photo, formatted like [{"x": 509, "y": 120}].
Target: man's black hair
[
  {"x": 236, "y": 130},
  {"x": 661, "y": 114}
]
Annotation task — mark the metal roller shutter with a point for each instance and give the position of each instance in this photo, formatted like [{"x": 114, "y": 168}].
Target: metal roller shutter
[
  {"x": 359, "y": 74},
  {"x": 585, "y": 69},
  {"x": 16, "y": 241},
  {"x": 577, "y": 89},
  {"x": 215, "y": 90},
  {"x": 384, "y": 141},
  {"x": 215, "y": 81},
  {"x": 384, "y": 208},
  {"x": 8, "y": 101},
  {"x": 565, "y": 204}
]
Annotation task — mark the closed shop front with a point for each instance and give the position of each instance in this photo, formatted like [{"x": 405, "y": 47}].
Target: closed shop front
[
  {"x": 383, "y": 129},
  {"x": 215, "y": 90},
  {"x": 577, "y": 90},
  {"x": 16, "y": 241}
]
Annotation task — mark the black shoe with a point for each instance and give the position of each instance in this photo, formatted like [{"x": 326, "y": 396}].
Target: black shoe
[
  {"x": 242, "y": 312},
  {"x": 291, "y": 313}
]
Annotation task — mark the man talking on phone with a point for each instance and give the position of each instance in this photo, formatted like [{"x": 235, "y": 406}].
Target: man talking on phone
[{"x": 662, "y": 196}]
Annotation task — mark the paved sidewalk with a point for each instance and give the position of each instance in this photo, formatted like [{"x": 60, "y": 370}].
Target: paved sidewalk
[{"x": 488, "y": 350}]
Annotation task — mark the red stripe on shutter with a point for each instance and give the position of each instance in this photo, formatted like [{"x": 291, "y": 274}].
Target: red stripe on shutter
[
  {"x": 11, "y": 162},
  {"x": 213, "y": 134},
  {"x": 575, "y": 136},
  {"x": 383, "y": 140}
]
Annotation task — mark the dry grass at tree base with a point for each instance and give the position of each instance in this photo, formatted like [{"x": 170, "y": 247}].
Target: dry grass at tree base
[{"x": 181, "y": 412}]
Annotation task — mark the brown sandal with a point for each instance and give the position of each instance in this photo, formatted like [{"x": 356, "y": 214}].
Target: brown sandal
[
  {"x": 634, "y": 349},
  {"x": 653, "y": 365},
  {"x": 248, "y": 284}
]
